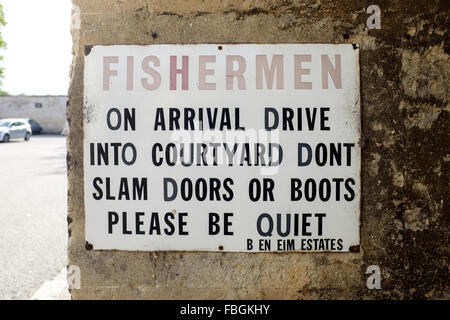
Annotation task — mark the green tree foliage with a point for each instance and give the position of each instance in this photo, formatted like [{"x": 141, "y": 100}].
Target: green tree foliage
[{"x": 2, "y": 46}]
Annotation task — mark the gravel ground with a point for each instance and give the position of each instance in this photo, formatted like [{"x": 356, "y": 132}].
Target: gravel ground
[{"x": 33, "y": 225}]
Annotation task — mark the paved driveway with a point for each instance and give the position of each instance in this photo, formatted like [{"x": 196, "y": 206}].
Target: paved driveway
[{"x": 33, "y": 224}]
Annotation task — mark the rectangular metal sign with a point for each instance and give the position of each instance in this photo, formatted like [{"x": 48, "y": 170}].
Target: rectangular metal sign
[{"x": 248, "y": 148}]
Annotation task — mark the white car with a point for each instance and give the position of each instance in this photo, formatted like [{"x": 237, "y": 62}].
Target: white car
[{"x": 14, "y": 129}]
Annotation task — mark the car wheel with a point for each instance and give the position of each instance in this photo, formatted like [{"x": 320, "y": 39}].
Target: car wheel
[
  {"x": 6, "y": 138},
  {"x": 27, "y": 136}
]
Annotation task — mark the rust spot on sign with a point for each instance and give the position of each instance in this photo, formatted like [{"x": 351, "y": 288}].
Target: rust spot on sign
[
  {"x": 354, "y": 248},
  {"x": 88, "y": 246},
  {"x": 87, "y": 50}
]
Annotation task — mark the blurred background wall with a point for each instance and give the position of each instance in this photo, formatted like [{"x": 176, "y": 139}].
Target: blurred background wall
[{"x": 48, "y": 111}]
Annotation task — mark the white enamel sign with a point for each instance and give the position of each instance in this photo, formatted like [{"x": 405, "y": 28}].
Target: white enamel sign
[{"x": 248, "y": 148}]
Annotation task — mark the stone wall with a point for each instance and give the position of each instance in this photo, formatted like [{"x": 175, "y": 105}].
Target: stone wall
[
  {"x": 405, "y": 69},
  {"x": 50, "y": 114}
]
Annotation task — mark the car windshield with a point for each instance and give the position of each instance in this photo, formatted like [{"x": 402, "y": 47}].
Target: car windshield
[{"x": 4, "y": 124}]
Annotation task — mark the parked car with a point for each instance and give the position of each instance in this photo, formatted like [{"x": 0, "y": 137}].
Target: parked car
[
  {"x": 14, "y": 129},
  {"x": 35, "y": 127}
]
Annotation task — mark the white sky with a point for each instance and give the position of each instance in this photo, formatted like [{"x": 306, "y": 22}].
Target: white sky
[{"x": 39, "y": 45}]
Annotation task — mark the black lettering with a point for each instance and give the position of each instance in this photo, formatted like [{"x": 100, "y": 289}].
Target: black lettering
[
  {"x": 124, "y": 224},
  {"x": 166, "y": 182},
  {"x": 113, "y": 218},
  {"x": 213, "y": 224},
  {"x": 267, "y": 112},
  {"x": 182, "y": 223},
  {"x": 159, "y": 120},
  {"x": 119, "y": 119},
  {"x": 269, "y": 219},
  {"x": 154, "y": 224},
  {"x": 302, "y": 163},
  {"x": 99, "y": 194},
  {"x": 139, "y": 222}
]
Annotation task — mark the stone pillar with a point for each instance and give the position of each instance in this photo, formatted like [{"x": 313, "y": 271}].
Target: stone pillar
[{"x": 404, "y": 102}]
